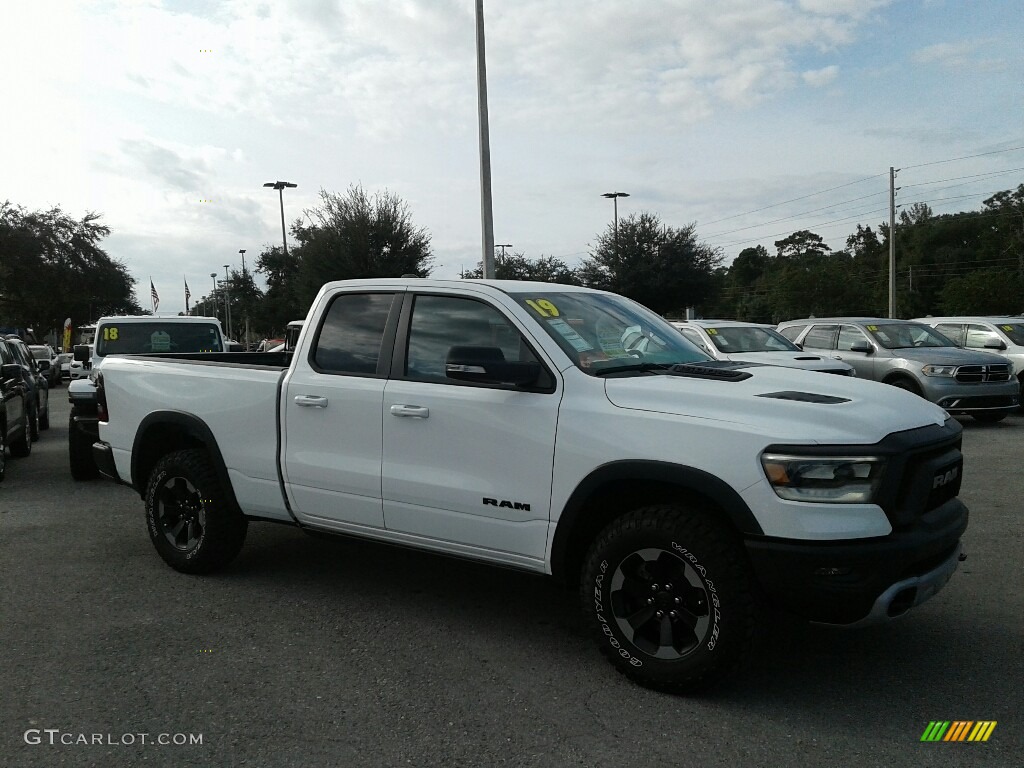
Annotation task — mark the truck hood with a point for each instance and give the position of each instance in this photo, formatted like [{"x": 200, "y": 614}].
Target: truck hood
[
  {"x": 783, "y": 404},
  {"x": 807, "y": 361},
  {"x": 948, "y": 356}
]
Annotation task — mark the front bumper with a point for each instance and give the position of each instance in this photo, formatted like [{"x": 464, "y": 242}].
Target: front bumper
[
  {"x": 103, "y": 455},
  {"x": 956, "y": 397},
  {"x": 862, "y": 581}
]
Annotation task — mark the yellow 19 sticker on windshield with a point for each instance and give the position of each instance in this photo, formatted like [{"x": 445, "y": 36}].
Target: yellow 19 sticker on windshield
[
  {"x": 872, "y": 327},
  {"x": 543, "y": 307},
  {"x": 1007, "y": 327},
  {"x": 712, "y": 332}
]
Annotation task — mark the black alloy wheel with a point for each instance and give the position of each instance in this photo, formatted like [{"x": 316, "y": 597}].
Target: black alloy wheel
[{"x": 179, "y": 511}]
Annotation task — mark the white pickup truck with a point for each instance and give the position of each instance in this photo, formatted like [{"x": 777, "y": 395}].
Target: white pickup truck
[
  {"x": 126, "y": 335},
  {"x": 505, "y": 422}
]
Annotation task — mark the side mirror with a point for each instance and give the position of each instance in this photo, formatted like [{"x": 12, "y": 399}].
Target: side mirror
[
  {"x": 862, "y": 346},
  {"x": 995, "y": 344},
  {"x": 487, "y": 365},
  {"x": 10, "y": 371},
  {"x": 81, "y": 352}
]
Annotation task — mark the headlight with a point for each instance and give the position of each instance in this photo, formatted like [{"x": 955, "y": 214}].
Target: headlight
[
  {"x": 834, "y": 480},
  {"x": 939, "y": 370}
]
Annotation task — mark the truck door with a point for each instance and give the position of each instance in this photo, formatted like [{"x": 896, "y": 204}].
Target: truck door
[
  {"x": 331, "y": 412},
  {"x": 467, "y": 464}
]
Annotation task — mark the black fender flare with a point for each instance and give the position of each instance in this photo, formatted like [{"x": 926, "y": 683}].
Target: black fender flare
[
  {"x": 187, "y": 424},
  {"x": 681, "y": 476}
]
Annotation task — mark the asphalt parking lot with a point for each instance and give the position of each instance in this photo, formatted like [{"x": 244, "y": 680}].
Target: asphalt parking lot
[{"x": 312, "y": 652}]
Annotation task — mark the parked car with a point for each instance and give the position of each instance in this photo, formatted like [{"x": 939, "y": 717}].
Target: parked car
[
  {"x": 46, "y": 359},
  {"x": 14, "y": 413},
  {"x": 65, "y": 365},
  {"x": 915, "y": 357},
  {"x": 37, "y": 388},
  {"x": 79, "y": 369},
  {"x": 1003, "y": 335},
  {"x": 735, "y": 340}
]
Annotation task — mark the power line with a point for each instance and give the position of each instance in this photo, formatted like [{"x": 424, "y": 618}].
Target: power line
[{"x": 965, "y": 157}]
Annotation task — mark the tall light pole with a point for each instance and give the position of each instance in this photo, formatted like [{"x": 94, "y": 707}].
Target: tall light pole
[
  {"x": 486, "y": 213},
  {"x": 615, "y": 201},
  {"x": 227, "y": 302},
  {"x": 503, "y": 246},
  {"x": 280, "y": 186},
  {"x": 213, "y": 294},
  {"x": 245, "y": 281},
  {"x": 242, "y": 252}
]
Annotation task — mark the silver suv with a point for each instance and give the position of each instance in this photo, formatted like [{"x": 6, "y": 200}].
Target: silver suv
[
  {"x": 1003, "y": 335},
  {"x": 915, "y": 357}
]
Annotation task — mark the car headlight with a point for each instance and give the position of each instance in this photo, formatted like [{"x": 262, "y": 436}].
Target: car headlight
[
  {"x": 824, "y": 479},
  {"x": 939, "y": 370}
]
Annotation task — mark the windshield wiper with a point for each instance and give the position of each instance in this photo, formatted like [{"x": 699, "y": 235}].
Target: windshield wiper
[{"x": 642, "y": 367}]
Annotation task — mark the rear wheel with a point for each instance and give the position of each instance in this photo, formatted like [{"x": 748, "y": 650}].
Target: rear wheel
[
  {"x": 22, "y": 446},
  {"x": 192, "y": 521},
  {"x": 670, "y": 597}
]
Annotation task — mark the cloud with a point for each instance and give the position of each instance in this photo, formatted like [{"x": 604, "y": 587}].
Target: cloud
[
  {"x": 167, "y": 166},
  {"x": 820, "y": 77},
  {"x": 962, "y": 55}
]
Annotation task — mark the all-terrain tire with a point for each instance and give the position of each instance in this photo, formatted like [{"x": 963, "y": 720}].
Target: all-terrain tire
[
  {"x": 670, "y": 597},
  {"x": 83, "y": 466},
  {"x": 193, "y": 522},
  {"x": 33, "y": 424}
]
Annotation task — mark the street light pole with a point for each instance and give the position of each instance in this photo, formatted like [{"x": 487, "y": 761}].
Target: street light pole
[
  {"x": 227, "y": 302},
  {"x": 280, "y": 186},
  {"x": 486, "y": 210},
  {"x": 213, "y": 294},
  {"x": 615, "y": 201}
]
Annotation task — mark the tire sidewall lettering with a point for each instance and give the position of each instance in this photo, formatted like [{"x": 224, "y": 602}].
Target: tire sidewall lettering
[{"x": 599, "y": 615}]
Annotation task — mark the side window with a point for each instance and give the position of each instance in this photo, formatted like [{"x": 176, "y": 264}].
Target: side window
[
  {"x": 792, "y": 331},
  {"x": 820, "y": 337},
  {"x": 848, "y": 336},
  {"x": 978, "y": 336},
  {"x": 953, "y": 331},
  {"x": 442, "y": 322},
  {"x": 693, "y": 336},
  {"x": 350, "y": 338}
]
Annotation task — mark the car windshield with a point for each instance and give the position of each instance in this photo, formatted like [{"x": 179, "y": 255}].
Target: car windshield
[
  {"x": 736, "y": 338},
  {"x": 40, "y": 353},
  {"x": 907, "y": 336},
  {"x": 1014, "y": 332},
  {"x": 603, "y": 332},
  {"x": 139, "y": 338}
]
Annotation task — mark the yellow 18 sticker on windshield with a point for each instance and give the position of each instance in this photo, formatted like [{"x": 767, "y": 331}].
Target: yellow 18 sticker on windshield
[
  {"x": 543, "y": 307},
  {"x": 872, "y": 327},
  {"x": 110, "y": 333}
]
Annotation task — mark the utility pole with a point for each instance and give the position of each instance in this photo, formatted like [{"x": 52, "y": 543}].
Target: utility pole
[
  {"x": 892, "y": 240},
  {"x": 227, "y": 303},
  {"x": 486, "y": 212}
]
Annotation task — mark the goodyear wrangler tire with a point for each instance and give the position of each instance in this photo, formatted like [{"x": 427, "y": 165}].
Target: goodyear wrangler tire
[
  {"x": 192, "y": 521},
  {"x": 670, "y": 597}
]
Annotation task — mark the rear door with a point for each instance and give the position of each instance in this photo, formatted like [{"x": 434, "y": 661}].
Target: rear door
[
  {"x": 331, "y": 411},
  {"x": 468, "y": 464}
]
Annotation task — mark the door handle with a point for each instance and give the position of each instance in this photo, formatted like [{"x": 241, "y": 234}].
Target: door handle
[
  {"x": 311, "y": 401},
  {"x": 837, "y": 357},
  {"x": 413, "y": 411}
]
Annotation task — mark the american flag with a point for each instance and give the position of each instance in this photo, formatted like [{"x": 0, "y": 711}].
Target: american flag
[
  {"x": 154, "y": 296},
  {"x": 188, "y": 295}
]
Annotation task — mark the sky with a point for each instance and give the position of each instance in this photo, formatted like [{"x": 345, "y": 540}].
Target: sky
[{"x": 751, "y": 119}]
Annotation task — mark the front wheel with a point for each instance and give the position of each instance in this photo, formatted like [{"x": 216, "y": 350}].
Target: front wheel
[
  {"x": 192, "y": 521},
  {"x": 670, "y": 597}
]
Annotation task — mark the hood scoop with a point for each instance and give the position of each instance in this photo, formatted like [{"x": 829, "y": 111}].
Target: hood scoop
[
  {"x": 806, "y": 397},
  {"x": 807, "y": 357},
  {"x": 717, "y": 370}
]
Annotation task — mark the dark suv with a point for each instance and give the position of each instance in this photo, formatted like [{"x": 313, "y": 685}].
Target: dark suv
[
  {"x": 14, "y": 422},
  {"x": 38, "y": 388}
]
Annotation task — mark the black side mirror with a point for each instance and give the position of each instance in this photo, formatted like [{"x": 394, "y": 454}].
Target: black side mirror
[
  {"x": 862, "y": 346},
  {"x": 81, "y": 352},
  {"x": 487, "y": 365},
  {"x": 10, "y": 371}
]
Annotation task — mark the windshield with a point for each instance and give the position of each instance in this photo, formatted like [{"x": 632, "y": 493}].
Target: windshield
[
  {"x": 602, "y": 332},
  {"x": 40, "y": 353},
  {"x": 731, "y": 339},
  {"x": 1014, "y": 332},
  {"x": 139, "y": 338},
  {"x": 907, "y": 336}
]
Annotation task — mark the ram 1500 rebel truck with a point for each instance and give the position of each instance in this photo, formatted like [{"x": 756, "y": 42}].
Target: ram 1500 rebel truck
[
  {"x": 127, "y": 335},
  {"x": 506, "y": 422}
]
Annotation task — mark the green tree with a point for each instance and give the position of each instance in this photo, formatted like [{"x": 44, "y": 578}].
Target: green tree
[
  {"x": 357, "y": 235},
  {"x": 280, "y": 304},
  {"x": 52, "y": 267},
  {"x": 983, "y": 292},
  {"x": 516, "y": 266},
  {"x": 665, "y": 268}
]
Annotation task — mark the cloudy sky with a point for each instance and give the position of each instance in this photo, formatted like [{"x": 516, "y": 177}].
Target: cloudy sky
[{"x": 752, "y": 118}]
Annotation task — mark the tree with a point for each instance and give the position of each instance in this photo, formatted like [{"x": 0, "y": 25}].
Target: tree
[
  {"x": 516, "y": 266},
  {"x": 356, "y": 235},
  {"x": 983, "y": 292},
  {"x": 52, "y": 267},
  {"x": 662, "y": 267},
  {"x": 280, "y": 304}
]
